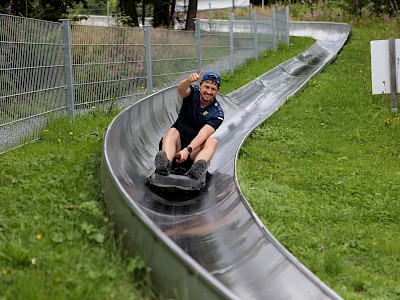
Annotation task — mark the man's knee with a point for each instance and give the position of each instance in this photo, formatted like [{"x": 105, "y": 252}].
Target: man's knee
[
  {"x": 172, "y": 133},
  {"x": 211, "y": 143}
]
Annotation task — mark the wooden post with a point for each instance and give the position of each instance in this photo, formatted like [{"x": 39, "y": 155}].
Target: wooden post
[{"x": 393, "y": 78}]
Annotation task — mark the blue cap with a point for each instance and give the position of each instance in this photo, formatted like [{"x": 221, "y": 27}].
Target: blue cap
[{"x": 212, "y": 76}]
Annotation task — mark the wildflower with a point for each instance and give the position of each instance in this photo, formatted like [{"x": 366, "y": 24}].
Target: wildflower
[
  {"x": 93, "y": 107},
  {"x": 153, "y": 91},
  {"x": 71, "y": 133},
  {"x": 345, "y": 247},
  {"x": 59, "y": 140},
  {"x": 38, "y": 236},
  {"x": 374, "y": 243},
  {"x": 4, "y": 272},
  {"x": 46, "y": 130},
  {"x": 33, "y": 262}
]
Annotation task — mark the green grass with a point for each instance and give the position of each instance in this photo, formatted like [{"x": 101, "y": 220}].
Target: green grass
[
  {"x": 322, "y": 173},
  {"x": 56, "y": 241}
]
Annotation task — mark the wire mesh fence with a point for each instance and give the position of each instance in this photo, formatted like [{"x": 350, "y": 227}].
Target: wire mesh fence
[
  {"x": 173, "y": 56},
  {"x": 50, "y": 69},
  {"x": 32, "y": 85},
  {"x": 107, "y": 64}
]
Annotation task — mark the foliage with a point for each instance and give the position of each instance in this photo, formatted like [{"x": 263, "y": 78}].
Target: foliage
[
  {"x": 343, "y": 10},
  {"x": 56, "y": 241},
  {"x": 44, "y": 9},
  {"x": 322, "y": 174}
]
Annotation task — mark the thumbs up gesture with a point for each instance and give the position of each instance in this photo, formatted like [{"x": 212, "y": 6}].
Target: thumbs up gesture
[{"x": 194, "y": 76}]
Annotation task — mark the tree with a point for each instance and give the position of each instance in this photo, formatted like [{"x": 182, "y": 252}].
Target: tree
[
  {"x": 51, "y": 10},
  {"x": 128, "y": 7},
  {"x": 144, "y": 11},
  {"x": 163, "y": 12},
  {"x": 191, "y": 15}
]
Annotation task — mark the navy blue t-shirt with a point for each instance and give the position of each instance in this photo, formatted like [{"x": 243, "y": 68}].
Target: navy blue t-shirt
[{"x": 192, "y": 117}]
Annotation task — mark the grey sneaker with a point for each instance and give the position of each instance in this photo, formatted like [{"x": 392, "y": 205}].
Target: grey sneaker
[
  {"x": 197, "y": 169},
  {"x": 163, "y": 164}
]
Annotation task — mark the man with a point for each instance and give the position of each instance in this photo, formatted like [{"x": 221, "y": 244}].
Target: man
[{"x": 189, "y": 139}]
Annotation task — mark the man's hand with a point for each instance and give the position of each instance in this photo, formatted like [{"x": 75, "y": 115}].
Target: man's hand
[
  {"x": 182, "y": 156},
  {"x": 184, "y": 85},
  {"x": 194, "y": 76}
]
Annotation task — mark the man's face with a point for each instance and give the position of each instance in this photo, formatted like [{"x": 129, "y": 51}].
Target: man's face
[{"x": 208, "y": 90}]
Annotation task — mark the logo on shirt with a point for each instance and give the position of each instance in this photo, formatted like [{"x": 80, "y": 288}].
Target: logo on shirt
[{"x": 205, "y": 113}]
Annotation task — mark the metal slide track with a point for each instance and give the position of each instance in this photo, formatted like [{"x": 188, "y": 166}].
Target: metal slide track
[{"x": 213, "y": 245}]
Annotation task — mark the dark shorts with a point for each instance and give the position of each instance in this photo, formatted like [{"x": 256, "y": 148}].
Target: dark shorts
[
  {"x": 184, "y": 166},
  {"x": 185, "y": 137},
  {"x": 185, "y": 141}
]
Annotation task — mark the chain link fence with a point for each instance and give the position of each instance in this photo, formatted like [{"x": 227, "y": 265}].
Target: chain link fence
[{"x": 51, "y": 69}]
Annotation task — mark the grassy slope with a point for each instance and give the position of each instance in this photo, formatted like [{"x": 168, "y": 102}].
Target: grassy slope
[
  {"x": 323, "y": 175},
  {"x": 57, "y": 243}
]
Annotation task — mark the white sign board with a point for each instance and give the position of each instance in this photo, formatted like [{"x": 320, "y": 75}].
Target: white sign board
[
  {"x": 215, "y": 4},
  {"x": 380, "y": 66}
]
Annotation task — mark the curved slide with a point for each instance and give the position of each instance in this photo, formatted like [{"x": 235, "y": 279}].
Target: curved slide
[{"x": 212, "y": 245}]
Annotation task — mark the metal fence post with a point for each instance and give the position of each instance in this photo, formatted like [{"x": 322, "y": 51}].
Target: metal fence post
[
  {"x": 274, "y": 31},
  {"x": 69, "y": 80},
  {"x": 255, "y": 30},
  {"x": 149, "y": 68},
  {"x": 198, "y": 43},
  {"x": 287, "y": 25},
  {"x": 392, "y": 71},
  {"x": 231, "y": 49},
  {"x": 251, "y": 18},
  {"x": 209, "y": 15}
]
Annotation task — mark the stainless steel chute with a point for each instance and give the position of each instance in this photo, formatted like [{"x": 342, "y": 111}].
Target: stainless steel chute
[{"x": 212, "y": 245}]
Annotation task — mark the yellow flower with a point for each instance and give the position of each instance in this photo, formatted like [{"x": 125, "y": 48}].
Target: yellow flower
[
  {"x": 38, "y": 236},
  {"x": 59, "y": 140},
  {"x": 94, "y": 107},
  {"x": 4, "y": 272},
  {"x": 46, "y": 130},
  {"x": 71, "y": 133}
]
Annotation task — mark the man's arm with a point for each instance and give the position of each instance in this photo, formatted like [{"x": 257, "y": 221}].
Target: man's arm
[
  {"x": 184, "y": 85},
  {"x": 202, "y": 136},
  {"x": 199, "y": 140}
]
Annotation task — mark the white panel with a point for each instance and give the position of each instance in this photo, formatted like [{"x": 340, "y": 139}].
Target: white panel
[{"x": 380, "y": 66}]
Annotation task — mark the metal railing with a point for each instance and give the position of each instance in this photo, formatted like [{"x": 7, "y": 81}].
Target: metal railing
[{"x": 50, "y": 69}]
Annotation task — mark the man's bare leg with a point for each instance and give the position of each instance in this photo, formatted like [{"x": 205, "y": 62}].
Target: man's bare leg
[
  {"x": 207, "y": 150},
  {"x": 171, "y": 143},
  {"x": 203, "y": 159}
]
